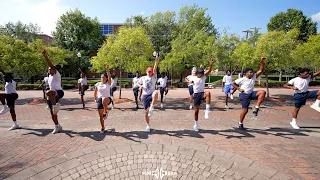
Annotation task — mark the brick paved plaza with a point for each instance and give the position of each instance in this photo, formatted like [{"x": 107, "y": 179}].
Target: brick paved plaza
[{"x": 268, "y": 149}]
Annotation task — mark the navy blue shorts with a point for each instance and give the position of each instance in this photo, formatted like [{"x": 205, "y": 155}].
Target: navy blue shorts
[
  {"x": 146, "y": 99},
  {"x": 162, "y": 89},
  {"x": 197, "y": 98},
  {"x": 191, "y": 90},
  {"x": 99, "y": 103},
  {"x": 136, "y": 91},
  {"x": 82, "y": 91},
  {"x": 246, "y": 98},
  {"x": 59, "y": 95},
  {"x": 112, "y": 90},
  {"x": 11, "y": 99},
  {"x": 227, "y": 89},
  {"x": 300, "y": 99}
]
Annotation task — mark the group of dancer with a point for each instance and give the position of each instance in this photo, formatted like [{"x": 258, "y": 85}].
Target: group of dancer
[{"x": 144, "y": 89}]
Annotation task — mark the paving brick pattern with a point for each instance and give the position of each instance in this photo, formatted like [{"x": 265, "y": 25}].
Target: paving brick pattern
[{"x": 268, "y": 149}]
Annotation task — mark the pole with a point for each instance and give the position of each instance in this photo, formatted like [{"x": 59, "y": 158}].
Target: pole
[{"x": 120, "y": 84}]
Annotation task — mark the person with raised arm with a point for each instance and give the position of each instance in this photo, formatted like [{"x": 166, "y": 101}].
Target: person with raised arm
[
  {"x": 199, "y": 94},
  {"x": 300, "y": 85},
  {"x": 55, "y": 93},
  {"x": 149, "y": 95},
  {"x": 245, "y": 86}
]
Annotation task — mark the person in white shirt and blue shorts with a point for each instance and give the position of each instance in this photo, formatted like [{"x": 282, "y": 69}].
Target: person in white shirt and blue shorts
[
  {"x": 300, "y": 85},
  {"x": 136, "y": 88},
  {"x": 82, "y": 85},
  {"x": 102, "y": 96},
  {"x": 9, "y": 97},
  {"x": 148, "y": 93},
  {"x": 55, "y": 93},
  {"x": 189, "y": 80},
  {"x": 245, "y": 86},
  {"x": 162, "y": 82},
  {"x": 227, "y": 85}
]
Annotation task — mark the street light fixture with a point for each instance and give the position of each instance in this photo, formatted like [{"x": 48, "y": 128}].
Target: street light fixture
[{"x": 79, "y": 56}]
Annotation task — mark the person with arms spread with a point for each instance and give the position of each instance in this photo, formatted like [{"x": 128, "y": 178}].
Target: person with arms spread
[{"x": 300, "y": 85}]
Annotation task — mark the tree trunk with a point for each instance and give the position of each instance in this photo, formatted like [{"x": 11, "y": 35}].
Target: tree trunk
[
  {"x": 267, "y": 82},
  {"x": 280, "y": 76},
  {"x": 120, "y": 84}
]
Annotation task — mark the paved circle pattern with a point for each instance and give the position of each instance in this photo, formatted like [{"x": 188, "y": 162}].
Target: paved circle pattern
[{"x": 120, "y": 160}]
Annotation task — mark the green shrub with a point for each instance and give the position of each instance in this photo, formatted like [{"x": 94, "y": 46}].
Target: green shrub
[{"x": 214, "y": 78}]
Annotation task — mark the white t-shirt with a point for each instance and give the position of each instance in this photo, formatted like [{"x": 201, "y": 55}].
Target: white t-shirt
[
  {"x": 163, "y": 81},
  {"x": 301, "y": 84},
  {"x": 103, "y": 89},
  {"x": 148, "y": 84},
  {"x": 227, "y": 79},
  {"x": 135, "y": 81},
  {"x": 199, "y": 83},
  {"x": 46, "y": 80},
  {"x": 55, "y": 81},
  {"x": 190, "y": 78},
  {"x": 83, "y": 81},
  {"x": 114, "y": 82},
  {"x": 247, "y": 84},
  {"x": 10, "y": 87}
]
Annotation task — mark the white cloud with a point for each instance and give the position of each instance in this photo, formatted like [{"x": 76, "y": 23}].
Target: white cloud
[
  {"x": 142, "y": 12},
  {"x": 316, "y": 17},
  {"x": 45, "y": 13}
]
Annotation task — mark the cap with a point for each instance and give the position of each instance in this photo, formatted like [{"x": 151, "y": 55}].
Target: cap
[
  {"x": 200, "y": 71},
  {"x": 194, "y": 69},
  {"x": 149, "y": 69}
]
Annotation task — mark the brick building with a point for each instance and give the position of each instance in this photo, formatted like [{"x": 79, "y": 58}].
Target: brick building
[{"x": 46, "y": 39}]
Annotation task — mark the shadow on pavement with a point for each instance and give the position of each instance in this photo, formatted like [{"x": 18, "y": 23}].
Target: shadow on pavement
[{"x": 136, "y": 136}]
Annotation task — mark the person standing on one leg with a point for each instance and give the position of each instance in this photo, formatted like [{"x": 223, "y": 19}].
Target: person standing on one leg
[
  {"x": 300, "y": 85},
  {"x": 227, "y": 85},
  {"x": 136, "y": 88},
  {"x": 245, "y": 86},
  {"x": 10, "y": 96},
  {"x": 189, "y": 80},
  {"x": 114, "y": 80},
  {"x": 46, "y": 88},
  {"x": 200, "y": 95},
  {"x": 162, "y": 81},
  {"x": 102, "y": 97},
  {"x": 55, "y": 93},
  {"x": 82, "y": 84},
  {"x": 149, "y": 95}
]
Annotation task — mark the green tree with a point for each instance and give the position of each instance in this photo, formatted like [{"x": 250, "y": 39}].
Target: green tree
[
  {"x": 293, "y": 18},
  {"x": 308, "y": 53},
  {"x": 244, "y": 54},
  {"x": 25, "y": 59},
  {"x": 25, "y": 32},
  {"x": 77, "y": 32},
  {"x": 129, "y": 49},
  {"x": 136, "y": 21}
]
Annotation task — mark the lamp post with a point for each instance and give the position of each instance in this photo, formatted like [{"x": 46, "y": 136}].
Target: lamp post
[{"x": 79, "y": 56}]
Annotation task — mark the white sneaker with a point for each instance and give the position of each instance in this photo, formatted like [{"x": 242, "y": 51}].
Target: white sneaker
[
  {"x": 56, "y": 129},
  {"x": 4, "y": 110},
  {"x": 227, "y": 107},
  {"x": 190, "y": 107},
  {"x": 161, "y": 106},
  {"x": 15, "y": 126},
  {"x": 47, "y": 107},
  {"x": 150, "y": 111},
  {"x": 231, "y": 96},
  {"x": 147, "y": 128},
  {"x": 56, "y": 108},
  {"x": 315, "y": 107},
  {"x": 196, "y": 128},
  {"x": 206, "y": 114},
  {"x": 112, "y": 106},
  {"x": 164, "y": 97},
  {"x": 294, "y": 125}
]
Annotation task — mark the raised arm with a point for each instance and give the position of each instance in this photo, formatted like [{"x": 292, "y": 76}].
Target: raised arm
[
  {"x": 210, "y": 67},
  {"x": 316, "y": 73},
  {"x": 108, "y": 74},
  {"x": 45, "y": 55},
  {"x": 155, "y": 67},
  {"x": 235, "y": 69},
  {"x": 261, "y": 67}
]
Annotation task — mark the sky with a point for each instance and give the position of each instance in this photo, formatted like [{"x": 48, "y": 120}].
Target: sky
[{"x": 235, "y": 15}]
